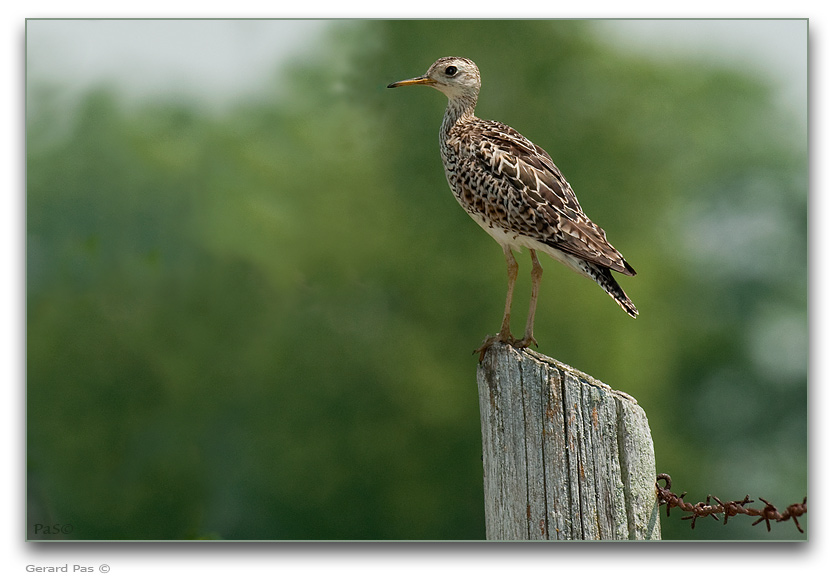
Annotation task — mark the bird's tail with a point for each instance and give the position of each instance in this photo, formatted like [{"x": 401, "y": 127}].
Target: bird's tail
[{"x": 605, "y": 279}]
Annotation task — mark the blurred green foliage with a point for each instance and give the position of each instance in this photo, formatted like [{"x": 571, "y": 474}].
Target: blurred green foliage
[{"x": 258, "y": 324}]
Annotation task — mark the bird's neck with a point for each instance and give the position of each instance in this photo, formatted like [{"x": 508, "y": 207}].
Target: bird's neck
[{"x": 460, "y": 107}]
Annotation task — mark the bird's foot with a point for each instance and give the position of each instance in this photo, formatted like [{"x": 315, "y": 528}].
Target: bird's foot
[
  {"x": 525, "y": 342},
  {"x": 506, "y": 338}
]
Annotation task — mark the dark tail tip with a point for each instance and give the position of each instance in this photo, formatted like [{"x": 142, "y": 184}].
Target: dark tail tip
[
  {"x": 603, "y": 277},
  {"x": 629, "y": 307}
]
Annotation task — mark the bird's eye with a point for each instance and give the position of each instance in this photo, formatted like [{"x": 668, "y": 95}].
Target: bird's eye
[{"x": 451, "y": 71}]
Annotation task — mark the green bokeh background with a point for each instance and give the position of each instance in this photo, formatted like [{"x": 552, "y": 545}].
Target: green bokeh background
[{"x": 258, "y": 323}]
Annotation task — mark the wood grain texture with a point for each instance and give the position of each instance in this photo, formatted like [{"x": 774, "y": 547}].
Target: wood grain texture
[{"x": 566, "y": 457}]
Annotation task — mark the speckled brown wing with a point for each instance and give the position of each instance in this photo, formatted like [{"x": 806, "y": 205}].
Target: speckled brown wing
[{"x": 546, "y": 206}]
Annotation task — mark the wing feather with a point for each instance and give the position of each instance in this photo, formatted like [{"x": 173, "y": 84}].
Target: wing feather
[{"x": 547, "y": 207}]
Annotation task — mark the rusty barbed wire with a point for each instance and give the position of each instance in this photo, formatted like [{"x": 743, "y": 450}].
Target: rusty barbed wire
[{"x": 731, "y": 508}]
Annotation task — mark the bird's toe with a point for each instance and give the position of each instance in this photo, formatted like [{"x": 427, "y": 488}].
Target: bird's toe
[{"x": 492, "y": 339}]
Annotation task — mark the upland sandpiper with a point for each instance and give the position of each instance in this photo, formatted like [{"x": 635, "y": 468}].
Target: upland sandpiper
[{"x": 513, "y": 190}]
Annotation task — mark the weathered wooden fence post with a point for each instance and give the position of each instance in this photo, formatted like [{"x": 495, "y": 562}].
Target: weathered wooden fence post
[{"x": 566, "y": 457}]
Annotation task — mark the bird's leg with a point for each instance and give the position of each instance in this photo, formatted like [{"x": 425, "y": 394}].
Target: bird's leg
[
  {"x": 512, "y": 273},
  {"x": 536, "y": 277},
  {"x": 504, "y": 334}
]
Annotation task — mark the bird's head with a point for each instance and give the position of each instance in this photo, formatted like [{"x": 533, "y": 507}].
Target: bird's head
[{"x": 453, "y": 76}]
